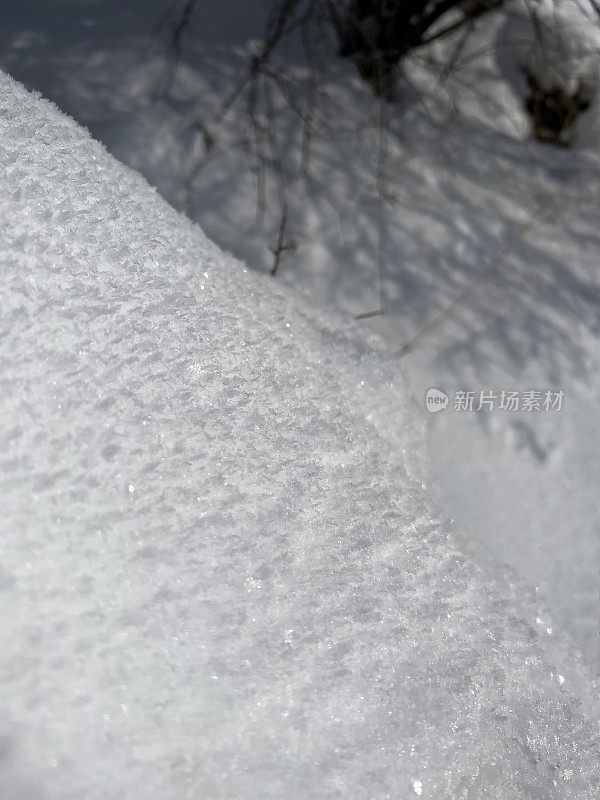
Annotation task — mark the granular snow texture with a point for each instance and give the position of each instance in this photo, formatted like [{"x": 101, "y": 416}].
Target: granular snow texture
[{"x": 220, "y": 575}]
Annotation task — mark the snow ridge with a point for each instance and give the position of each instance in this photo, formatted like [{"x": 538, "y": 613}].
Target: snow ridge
[{"x": 221, "y": 576}]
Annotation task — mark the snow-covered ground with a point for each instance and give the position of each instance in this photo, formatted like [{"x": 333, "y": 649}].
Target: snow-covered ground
[
  {"x": 462, "y": 177},
  {"x": 220, "y": 574}
]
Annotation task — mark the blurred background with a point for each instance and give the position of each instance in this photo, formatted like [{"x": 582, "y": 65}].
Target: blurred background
[{"x": 431, "y": 167}]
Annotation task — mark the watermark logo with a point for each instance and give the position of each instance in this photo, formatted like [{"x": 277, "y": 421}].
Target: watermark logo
[
  {"x": 487, "y": 400},
  {"x": 436, "y": 400}
]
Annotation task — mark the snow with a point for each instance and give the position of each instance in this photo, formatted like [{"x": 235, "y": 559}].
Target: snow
[
  {"x": 221, "y": 573},
  {"x": 566, "y": 51}
]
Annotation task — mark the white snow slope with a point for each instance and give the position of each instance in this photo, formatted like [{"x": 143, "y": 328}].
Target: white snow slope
[{"x": 219, "y": 577}]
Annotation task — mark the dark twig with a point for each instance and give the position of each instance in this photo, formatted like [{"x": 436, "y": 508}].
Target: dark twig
[
  {"x": 281, "y": 246},
  {"x": 178, "y": 32}
]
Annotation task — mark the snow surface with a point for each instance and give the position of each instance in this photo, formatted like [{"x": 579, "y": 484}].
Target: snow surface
[
  {"x": 566, "y": 52},
  {"x": 464, "y": 177},
  {"x": 220, "y": 574}
]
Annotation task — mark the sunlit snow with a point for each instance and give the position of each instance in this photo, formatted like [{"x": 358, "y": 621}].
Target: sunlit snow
[{"x": 220, "y": 572}]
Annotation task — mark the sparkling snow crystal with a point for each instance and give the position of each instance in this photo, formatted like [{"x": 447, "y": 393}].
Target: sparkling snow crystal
[{"x": 220, "y": 576}]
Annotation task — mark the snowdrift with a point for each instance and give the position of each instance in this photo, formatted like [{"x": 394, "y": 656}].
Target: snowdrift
[{"x": 220, "y": 574}]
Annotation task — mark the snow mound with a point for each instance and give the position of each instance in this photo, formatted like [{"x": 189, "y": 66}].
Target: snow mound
[
  {"x": 566, "y": 48},
  {"x": 220, "y": 574},
  {"x": 557, "y": 45}
]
